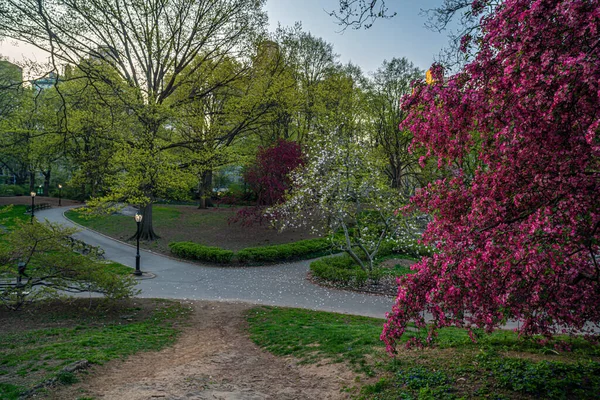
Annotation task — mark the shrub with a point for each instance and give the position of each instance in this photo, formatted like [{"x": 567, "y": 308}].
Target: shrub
[
  {"x": 199, "y": 252},
  {"x": 339, "y": 270},
  {"x": 12, "y": 190},
  {"x": 285, "y": 252}
]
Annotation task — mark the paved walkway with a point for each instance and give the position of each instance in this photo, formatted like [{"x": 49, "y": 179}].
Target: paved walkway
[{"x": 282, "y": 284}]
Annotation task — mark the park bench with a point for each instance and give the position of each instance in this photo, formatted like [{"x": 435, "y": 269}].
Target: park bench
[{"x": 38, "y": 207}]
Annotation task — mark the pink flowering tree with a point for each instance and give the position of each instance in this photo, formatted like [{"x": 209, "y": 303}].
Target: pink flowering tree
[{"x": 516, "y": 222}]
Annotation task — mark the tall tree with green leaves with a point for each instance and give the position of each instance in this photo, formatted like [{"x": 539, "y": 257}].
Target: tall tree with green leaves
[
  {"x": 153, "y": 46},
  {"x": 389, "y": 83}
]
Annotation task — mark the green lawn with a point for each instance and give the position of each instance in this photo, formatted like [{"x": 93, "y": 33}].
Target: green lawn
[
  {"x": 179, "y": 223},
  {"x": 30, "y": 355},
  {"x": 498, "y": 366}
]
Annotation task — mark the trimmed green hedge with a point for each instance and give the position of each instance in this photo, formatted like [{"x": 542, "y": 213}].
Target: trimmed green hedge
[
  {"x": 284, "y": 252},
  {"x": 199, "y": 252},
  {"x": 341, "y": 270}
]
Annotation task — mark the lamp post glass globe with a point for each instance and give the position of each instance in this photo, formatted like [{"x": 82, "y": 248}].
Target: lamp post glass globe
[
  {"x": 59, "y": 195},
  {"x": 138, "y": 219}
]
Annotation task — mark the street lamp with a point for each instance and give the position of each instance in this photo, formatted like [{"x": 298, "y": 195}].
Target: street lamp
[
  {"x": 32, "y": 205},
  {"x": 138, "y": 219},
  {"x": 59, "y": 194}
]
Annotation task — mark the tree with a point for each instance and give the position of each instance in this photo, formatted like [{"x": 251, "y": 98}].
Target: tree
[
  {"x": 37, "y": 262},
  {"x": 390, "y": 82},
  {"x": 151, "y": 46},
  {"x": 360, "y": 13},
  {"x": 519, "y": 238},
  {"x": 270, "y": 178},
  {"x": 342, "y": 189}
]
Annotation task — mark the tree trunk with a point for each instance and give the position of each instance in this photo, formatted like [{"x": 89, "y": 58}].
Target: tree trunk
[
  {"x": 47, "y": 175},
  {"x": 32, "y": 181},
  {"x": 146, "y": 229},
  {"x": 205, "y": 189}
]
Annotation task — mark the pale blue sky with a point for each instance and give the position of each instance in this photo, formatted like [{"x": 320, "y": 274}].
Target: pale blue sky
[{"x": 402, "y": 36}]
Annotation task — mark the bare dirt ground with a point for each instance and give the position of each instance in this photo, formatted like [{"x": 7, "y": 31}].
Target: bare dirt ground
[{"x": 212, "y": 359}]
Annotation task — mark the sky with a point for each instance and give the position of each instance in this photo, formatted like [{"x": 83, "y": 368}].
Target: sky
[{"x": 402, "y": 36}]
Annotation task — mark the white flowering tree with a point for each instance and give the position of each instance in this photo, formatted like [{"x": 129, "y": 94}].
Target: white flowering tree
[{"x": 342, "y": 191}]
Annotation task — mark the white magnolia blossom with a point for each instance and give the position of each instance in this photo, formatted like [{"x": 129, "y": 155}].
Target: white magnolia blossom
[{"x": 342, "y": 191}]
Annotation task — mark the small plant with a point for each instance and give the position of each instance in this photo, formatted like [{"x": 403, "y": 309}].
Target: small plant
[{"x": 66, "y": 378}]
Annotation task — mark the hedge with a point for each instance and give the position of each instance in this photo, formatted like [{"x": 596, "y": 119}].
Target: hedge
[
  {"x": 284, "y": 252},
  {"x": 339, "y": 270},
  {"x": 199, "y": 252}
]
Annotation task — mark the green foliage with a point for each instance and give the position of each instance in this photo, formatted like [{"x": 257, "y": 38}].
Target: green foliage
[
  {"x": 10, "y": 392},
  {"x": 9, "y": 215},
  {"x": 549, "y": 379},
  {"x": 303, "y": 249},
  {"x": 343, "y": 270},
  {"x": 49, "y": 267},
  {"x": 13, "y": 190},
  {"x": 195, "y": 251},
  {"x": 339, "y": 270}
]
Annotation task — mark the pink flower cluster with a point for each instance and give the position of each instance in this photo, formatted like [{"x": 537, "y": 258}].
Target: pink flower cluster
[{"x": 517, "y": 218}]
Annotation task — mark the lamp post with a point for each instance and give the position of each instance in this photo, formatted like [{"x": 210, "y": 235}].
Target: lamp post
[
  {"x": 138, "y": 219},
  {"x": 32, "y": 205},
  {"x": 59, "y": 194}
]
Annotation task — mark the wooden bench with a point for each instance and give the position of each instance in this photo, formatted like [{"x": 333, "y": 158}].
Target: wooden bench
[{"x": 38, "y": 207}]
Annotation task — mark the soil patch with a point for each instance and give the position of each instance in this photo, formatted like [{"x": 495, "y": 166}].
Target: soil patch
[{"x": 213, "y": 359}]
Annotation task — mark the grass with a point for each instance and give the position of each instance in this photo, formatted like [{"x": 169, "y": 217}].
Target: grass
[
  {"x": 178, "y": 223},
  {"x": 111, "y": 226},
  {"x": 31, "y": 355},
  {"x": 312, "y": 336},
  {"x": 118, "y": 269},
  {"x": 499, "y": 366}
]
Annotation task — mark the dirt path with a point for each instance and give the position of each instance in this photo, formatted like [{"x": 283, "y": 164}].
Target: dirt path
[{"x": 213, "y": 359}]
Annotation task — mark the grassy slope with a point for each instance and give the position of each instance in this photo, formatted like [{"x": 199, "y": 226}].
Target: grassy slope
[
  {"x": 30, "y": 356},
  {"x": 499, "y": 366}
]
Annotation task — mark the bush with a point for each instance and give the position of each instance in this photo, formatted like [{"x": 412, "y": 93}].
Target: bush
[
  {"x": 339, "y": 270},
  {"x": 199, "y": 252},
  {"x": 13, "y": 190},
  {"x": 285, "y": 252}
]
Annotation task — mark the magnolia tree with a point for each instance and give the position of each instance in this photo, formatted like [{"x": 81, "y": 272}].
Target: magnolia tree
[
  {"x": 342, "y": 189},
  {"x": 518, "y": 234}
]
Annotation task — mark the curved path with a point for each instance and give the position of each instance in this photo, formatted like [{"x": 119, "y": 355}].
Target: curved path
[{"x": 281, "y": 284}]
